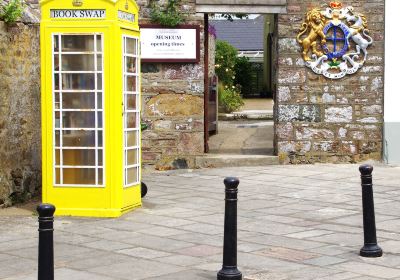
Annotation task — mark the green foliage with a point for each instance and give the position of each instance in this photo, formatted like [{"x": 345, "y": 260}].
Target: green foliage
[
  {"x": 230, "y": 100},
  {"x": 169, "y": 16},
  {"x": 225, "y": 60},
  {"x": 243, "y": 77},
  {"x": 12, "y": 11}
]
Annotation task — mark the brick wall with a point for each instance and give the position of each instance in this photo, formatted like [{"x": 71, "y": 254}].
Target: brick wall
[
  {"x": 324, "y": 120},
  {"x": 173, "y": 105}
]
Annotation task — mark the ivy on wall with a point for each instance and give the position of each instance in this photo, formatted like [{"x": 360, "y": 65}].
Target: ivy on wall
[{"x": 169, "y": 16}]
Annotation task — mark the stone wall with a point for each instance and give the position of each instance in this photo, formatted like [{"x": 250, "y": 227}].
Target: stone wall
[
  {"x": 324, "y": 120},
  {"x": 20, "y": 142},
  {"x": 173, "y": 104}
]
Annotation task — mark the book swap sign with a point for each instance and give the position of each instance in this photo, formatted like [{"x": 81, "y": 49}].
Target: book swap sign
[
  {"x": 159, "y": 44},
  {"x": 78, "y": 14}
]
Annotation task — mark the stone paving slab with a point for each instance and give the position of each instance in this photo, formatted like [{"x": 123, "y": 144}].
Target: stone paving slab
[{"x": 295, "y": 222}]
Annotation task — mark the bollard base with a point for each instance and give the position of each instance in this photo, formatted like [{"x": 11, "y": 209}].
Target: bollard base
[
  {"x": 371, "y": 251},
  {"x": 229, "y": 273}
]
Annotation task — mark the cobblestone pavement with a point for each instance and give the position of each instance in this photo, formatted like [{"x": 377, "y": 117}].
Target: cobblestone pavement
[{"x": 295, "y": 222}]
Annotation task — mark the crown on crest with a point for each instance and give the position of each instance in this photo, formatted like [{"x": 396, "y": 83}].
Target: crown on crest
[{"x": 335, "y": 5}]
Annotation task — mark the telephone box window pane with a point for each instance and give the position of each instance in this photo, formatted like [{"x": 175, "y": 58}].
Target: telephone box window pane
[
  {"x": 57, "y": 156},
  {"x": 132, "y": 175},
  {"x": 57, "y": 140},
  {"x": 132, "y": 157},
  {"x": 131, "y": 101},
  {"x": 131, "y": 65},
  {"x": 79, "y": 120},
  {"x": 131, "y": 120},
  {"x": 57, "y": 119},
  {"x": 56, "y": 81},
  {"x": 77, "y": 43},
  {"x": 100, "y": 157},
  {"x": 131, "y": 83},
  {"x": 79, "y": 176},
  {"x": 79, "y": 138},
  {"x": 57, "y": 171},
  {"x": 100, "y": 119},
  {"x": 56, "y": 62},
  {"x": 99, "y": 81},
  {"x": 77, "y": 62},
  {"x": 99, "y": 101},
  {"x": 99, "y": 62},
  {"x": 57, "y": 101},
  {"x": 99, "y": 43},
  {"x": 131, "y": 139},
  {"x": 79, "y": 100},
  {"x": 82, "y": 81},
  {"x": 79, "y": 157},
  {"x": 56, "y": 43},
  {"x": 100, "y": 176},
  {"x": 131, "y": 46},
  {"x": 100, "y": 139}
]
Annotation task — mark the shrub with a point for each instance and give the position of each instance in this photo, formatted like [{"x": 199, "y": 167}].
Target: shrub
[
  {"x": 243, "y": 77},
  {"x": 225, "y": 60},
  {"x": 170, "y": 16},
  {"x": 12, "y": 11},
  {"x": 230, "y": 100}
]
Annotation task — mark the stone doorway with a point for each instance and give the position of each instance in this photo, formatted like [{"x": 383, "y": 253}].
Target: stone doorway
[{"x": 250, "y": 130}]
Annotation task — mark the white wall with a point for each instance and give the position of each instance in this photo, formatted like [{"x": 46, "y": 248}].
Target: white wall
[{"x": 392, "y": 81}]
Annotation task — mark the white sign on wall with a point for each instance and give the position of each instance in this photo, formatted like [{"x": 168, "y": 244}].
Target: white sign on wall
[
  {"x": 170, "y": 44},
  {"x": 78, "y": 14},
  {"x": 126, "y": 16}
]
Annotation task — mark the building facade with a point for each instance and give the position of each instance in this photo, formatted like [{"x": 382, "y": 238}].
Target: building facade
[{"x": 317, "y": 119}]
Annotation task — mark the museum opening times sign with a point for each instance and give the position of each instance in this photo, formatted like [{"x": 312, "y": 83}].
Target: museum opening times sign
[{"x": 160, "y": 44}]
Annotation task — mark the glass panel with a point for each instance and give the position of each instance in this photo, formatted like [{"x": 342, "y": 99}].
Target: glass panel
[
  {"x": 57, "y": 156},
  {"x": 79, "y": 157},
  {"x": 77, "y": 43},
  {"x": 99, "y": 101},
  {"x": 56, "y": 81},
  {"x": 80, "y": 138},
  {"x": 56, "y": 62},
  {"x": 99, "y": 62},
  {"x": 100, "y": 176},
  {"x": 131, "y": 46},
  {"x": 100, "y": 138},
  {"x": 57, "y": 140},
  {"x": 99, "y": 81},
  {"x": 131, "y": 83},
  {"x": 57, "y": 119},
  {"x": 132, "y": 175},
  {"x": 131, "y": 138},
  {"x": 100, "y": 157},
  {"x": 78, "y": 81},
  {"x": 79, "y": 176},
  {"x": 132, "y": 157},
  {"x": 131, "y": 101},
  {"x": 78, "y": 100},
  {"x": 100, "y": 119},
  {"x": 57, "y": 175},
  {"x": 56, "y": 43},
  {"x": 79, "y": 119},
  {"x": 56, "y": 100},
  {"x": 130, "y": 65},
  {"x": 77, "y": 62},
  {"x": 99, "y": 45},
  {"x": 131, "y": 120}
]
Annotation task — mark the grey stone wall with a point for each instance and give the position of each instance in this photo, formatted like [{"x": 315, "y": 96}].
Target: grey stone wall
[
  {"x": 20, "y": 137},
  {"x": 324, "y": 120},
  {"x": 173, "y": 105}
]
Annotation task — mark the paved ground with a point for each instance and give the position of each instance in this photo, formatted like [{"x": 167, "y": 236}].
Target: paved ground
[
  {"x": 246, "y": 137},
  {"x": 295, "y": 222}
]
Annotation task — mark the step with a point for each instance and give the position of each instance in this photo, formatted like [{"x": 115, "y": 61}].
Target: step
[
  {"x": 225, "y": 160},
  {"x": 248, "y": 114}
]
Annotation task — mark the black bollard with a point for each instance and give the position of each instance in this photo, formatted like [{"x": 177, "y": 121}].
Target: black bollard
[
  {"x": 229, "y": 269},
  {"x": 370, "y": 248},
  {"x": 46, "y": 250}
]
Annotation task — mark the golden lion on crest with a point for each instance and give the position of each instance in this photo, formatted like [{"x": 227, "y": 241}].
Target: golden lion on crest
[{"x": 314, "y": 23}]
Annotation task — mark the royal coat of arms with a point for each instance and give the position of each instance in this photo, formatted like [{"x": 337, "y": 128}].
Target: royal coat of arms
[{"x": 334, "y": 40}]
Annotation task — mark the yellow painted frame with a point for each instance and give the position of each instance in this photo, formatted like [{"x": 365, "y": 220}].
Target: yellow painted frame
[{"x": 113, "y": 199}]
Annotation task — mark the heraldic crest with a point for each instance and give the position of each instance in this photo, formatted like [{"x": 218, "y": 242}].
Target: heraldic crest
[{"x": 334, "y": 41}]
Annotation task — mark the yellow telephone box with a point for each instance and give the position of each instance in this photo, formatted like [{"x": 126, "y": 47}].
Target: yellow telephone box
[{"x": 90, "y": 106}]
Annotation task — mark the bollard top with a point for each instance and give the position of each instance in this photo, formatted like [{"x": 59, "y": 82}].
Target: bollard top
[
  {"x": 46, "y": 210},
  {"x": 366, "y": 169},
  {"x": 231, "y": 182}
]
